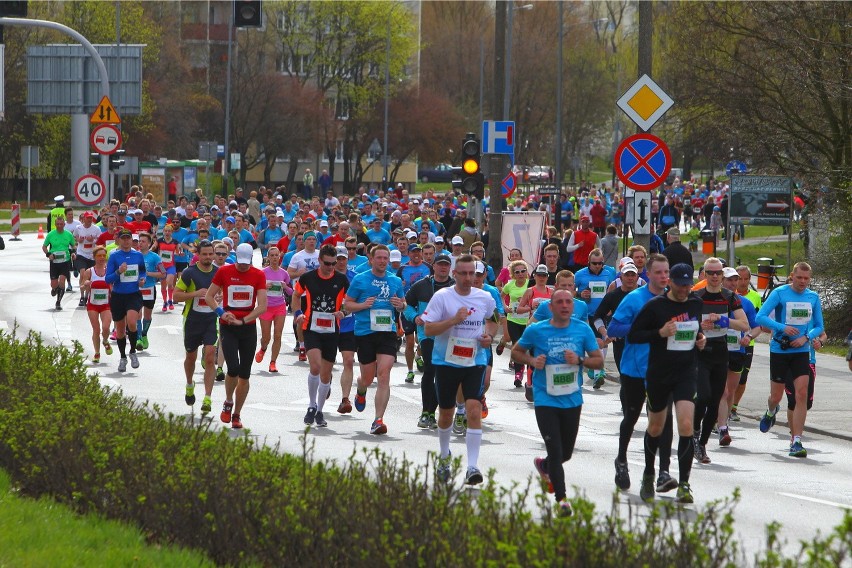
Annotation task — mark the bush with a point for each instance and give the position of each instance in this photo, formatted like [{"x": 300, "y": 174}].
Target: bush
[{"x": 240, "y": 502}]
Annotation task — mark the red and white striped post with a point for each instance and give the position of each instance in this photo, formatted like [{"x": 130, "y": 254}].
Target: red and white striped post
[{"x": 16, "y": 222}]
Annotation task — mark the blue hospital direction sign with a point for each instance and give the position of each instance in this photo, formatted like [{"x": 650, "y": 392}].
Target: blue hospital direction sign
[
  {"x": 498, "y": 137},
  {"x": 643, "y": 162}
]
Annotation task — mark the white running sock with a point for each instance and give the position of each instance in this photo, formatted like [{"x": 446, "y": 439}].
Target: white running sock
[
  {"x": 444, "y": 440},
  {"x": 313, "y": 385},
  {"x": 322, "y": 394},
  {"x": 473, "y": 440}
]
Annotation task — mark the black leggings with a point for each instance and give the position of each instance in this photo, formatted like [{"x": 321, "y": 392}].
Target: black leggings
[
  {"x": 238, "y": 345},
  {"x": 632, "y": 396},
  {"x": 427, "y": 382},
  {"x": 558, "y": 427},
  {"x": 516, "y": 330},
  {"x": 712, "y": 375}
]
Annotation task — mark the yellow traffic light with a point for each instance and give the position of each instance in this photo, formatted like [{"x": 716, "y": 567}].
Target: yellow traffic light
[{"x": 470, "y": 166}]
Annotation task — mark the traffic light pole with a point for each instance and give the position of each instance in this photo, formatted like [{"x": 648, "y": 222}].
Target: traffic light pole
[
  {"x": 99, "y": 63},
  {"x": 646, "y": 14}
]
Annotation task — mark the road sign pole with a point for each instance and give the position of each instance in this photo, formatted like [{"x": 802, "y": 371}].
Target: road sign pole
[{"x": 29, "y": 176}]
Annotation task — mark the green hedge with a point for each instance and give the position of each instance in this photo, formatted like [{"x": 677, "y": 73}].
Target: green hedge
[{"x": 242, "y": 503}]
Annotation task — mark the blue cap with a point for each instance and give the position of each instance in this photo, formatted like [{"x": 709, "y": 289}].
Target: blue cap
[
  {"x": 230, "y": 219},
  {"x": 681, "y": 274},
  {"x": 413, "y": 246}
]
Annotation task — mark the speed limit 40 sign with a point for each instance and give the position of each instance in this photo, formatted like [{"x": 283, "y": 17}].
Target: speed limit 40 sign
[{"x": 89, "y": 189}]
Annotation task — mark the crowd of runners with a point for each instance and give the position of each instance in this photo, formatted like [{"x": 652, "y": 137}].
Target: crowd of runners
[{"x": 378, "y": 275}]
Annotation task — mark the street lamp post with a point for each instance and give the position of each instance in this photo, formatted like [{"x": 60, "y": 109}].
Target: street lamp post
[{"x": 387, "y": 97}]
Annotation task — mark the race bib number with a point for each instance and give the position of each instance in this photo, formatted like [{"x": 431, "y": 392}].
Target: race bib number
[
  {"x": 684, "y": 337},
  {"x": 131, "y": 274},
  {"x": 381, "y": 320},
  {"x": 733, "y": 340},
  {"x": 514, "y": 306},
  {"x": 322, "y": 322},
  {"x": 798, "y": 313},
  {"x": 716, "y": 331},
  {"x": 60, "y": 256},
  {"x": 240, "y": 296},
  {"x": 147, "y": 294},
  {"x": 167, "y": 256},
  {"x": 461, "y": 351},
  {"x": 88, "y": 246},
  {"x": 200, "y": 305},
  {"x": 275, "y": 288},
  {"x": 598, "y": 289},
  {"x": 99, "y": 297},
  {"x": 562, "y": 379}
]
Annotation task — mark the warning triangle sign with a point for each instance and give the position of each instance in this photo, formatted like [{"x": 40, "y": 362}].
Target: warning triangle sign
[{"x": 105, "y": 113}]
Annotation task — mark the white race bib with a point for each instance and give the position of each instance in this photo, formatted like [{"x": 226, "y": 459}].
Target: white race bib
[
  {"x": 147, "y": 294},
  {"x": 798, "y": 313},
  {"x": 240, "y": 296},
  {"x": 598, "y": 289},
  {"x": 99, "y": 297},
  {"x": 130, "y": 274},
  {"x": 461, "y": 351},
  {"x": 716, "y": 331},
  {"x": 684, "y": 337},
  {"x": 275, "y": 288},
  {"x": 200, "y": 305},
  {"x": 381, "y": 320},
  {"x": 733, "y": 339},
  {"x": 167, "y": 256},
  {"x": 59, "y": 256},
  {"x": 322, "y": 322},
  {"x": 562, "y": 379}
]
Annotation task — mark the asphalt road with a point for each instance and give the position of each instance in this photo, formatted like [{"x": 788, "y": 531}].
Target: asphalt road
[{"x": 807, "y": 496}]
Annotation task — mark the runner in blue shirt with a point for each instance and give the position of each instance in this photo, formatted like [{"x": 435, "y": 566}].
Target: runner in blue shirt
[{"x": 126, "y": 272}]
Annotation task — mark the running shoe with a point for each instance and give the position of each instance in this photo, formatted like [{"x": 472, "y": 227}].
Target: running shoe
[
  {"x": 666, "y": 482},
  {"x": 599, "y": 381},
  {"x": 734, "y": 417},
  {"x": 563, "y": 509},
  {"x": 319, "y": 420},
  {"x": 360, "y": 402},
  {"x": 145, "y": 343},
  {"x": 378, "y": 427},
  {"x": 460, "y": 425},
  {"x": 409, "y": 378},
  {"x": 500, "y": 348},
  {"x": 139, "y": 345},
  {"x": 58, "y": 306},
  {"x": 484, "y": 408},
  {"x": 433, "y": 423},
  {"x": 545, "y": 477},
  {"x": 419, "y": 362},
  {"x": 134, "y": 360},
  {"x": 797, "y": 450},
  {"x": 54, "y": 291},
  {"x": 122, "y": 364},
  {"x": 303, "y": 355},
  {"x": 225, "y": 416},
  {"x": 112, "y": 336},
  {"x": 96, "y": 358},
  {"x": 767, "y": 421},
  {"x": 165, "y": 308},
  {"x": 206, "y": 405},
  {"x": 701, "y": 454},
  {"x": 345, "y": 407},
  {"x": 528, "y": 393},
  {"x": 172, "y": 307},
  {"x": 684, "y": 493},
  {"x": 423, "y": 421},
  {"x": 189, "y": 397},
  {"x": 81, "y": 303},
  {"x": 724, "y": 437},
  {"x": 296, "y": 348},
  {"x": 220, "y": 374},
  {"x": 715, "y": 429},
  {"x": 519, "y": 379},
  {"x": 273, "y": 368},
  {"x": 444, "y": 470},
  {"x": 622, "y": 475},
  {"x": 310, "y": 415},
  {"x": 107, "y": 348},
  {"x": 646, "y": 490},
  {"x": 236, "y": 423},
  {"x": 473, "y": 476},
  {"x": 70, "y": 288},
  {"x": 258, "y": 357}
]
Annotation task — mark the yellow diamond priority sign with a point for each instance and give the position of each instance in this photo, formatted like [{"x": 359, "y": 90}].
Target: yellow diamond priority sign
[{"x": 645, "y": 102}]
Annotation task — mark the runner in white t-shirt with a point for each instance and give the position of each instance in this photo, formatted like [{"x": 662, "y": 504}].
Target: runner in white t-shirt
[
  {"x": 303, "y": 261},
  {"x": 86, "y": 234}
]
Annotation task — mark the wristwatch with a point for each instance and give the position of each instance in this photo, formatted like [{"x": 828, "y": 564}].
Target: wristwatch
[
  {"x": 749, "y": 335},
  {"x": 581, "y": 360}
]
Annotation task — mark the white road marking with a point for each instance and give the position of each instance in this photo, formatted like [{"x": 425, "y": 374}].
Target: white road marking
[
  {"x": 524, "y": 436},
  {"x": 815, "y": 500}
]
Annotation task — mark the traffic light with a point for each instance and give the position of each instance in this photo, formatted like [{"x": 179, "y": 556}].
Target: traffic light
[
  {"x": 248, "y": 14},
  {"x": 471, "y": 181},
  {"x": 116, "y": 160}
]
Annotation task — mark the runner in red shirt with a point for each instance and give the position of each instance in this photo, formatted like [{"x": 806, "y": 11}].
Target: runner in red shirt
[{"x": 243, "y": 289}]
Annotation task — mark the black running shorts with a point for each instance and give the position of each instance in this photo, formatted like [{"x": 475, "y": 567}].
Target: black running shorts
[{"x": 327, "y": 343}]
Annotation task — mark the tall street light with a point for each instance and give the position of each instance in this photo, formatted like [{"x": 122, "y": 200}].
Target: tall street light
[{"x": 507, "y": 76}]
